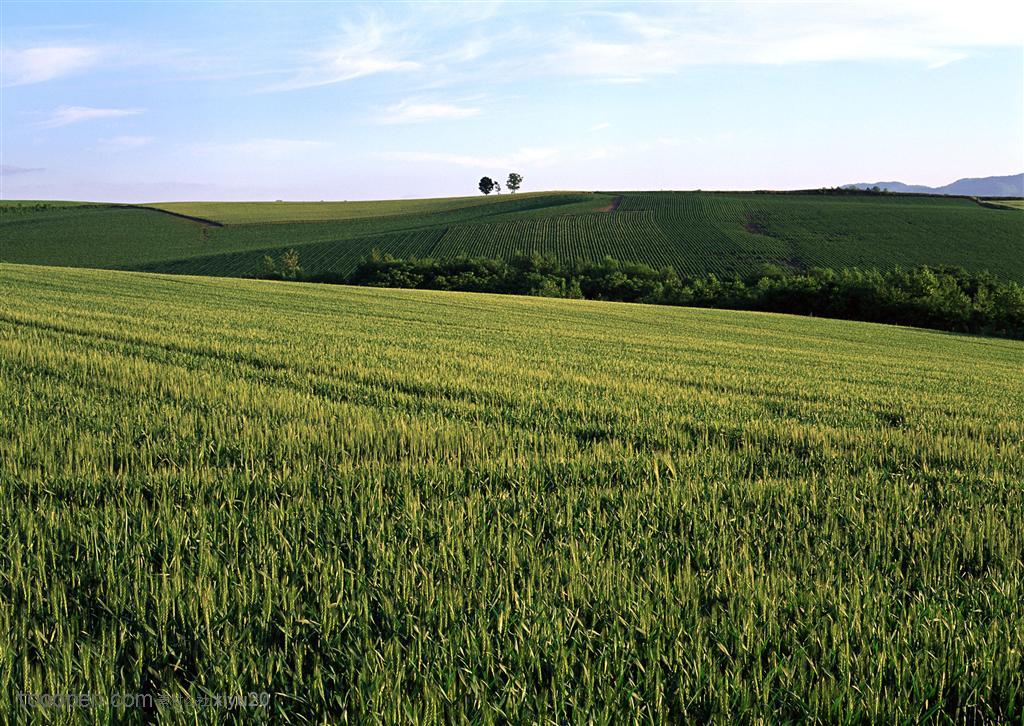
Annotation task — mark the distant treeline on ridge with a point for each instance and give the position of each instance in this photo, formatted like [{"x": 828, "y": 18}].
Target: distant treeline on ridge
[{"x": 941, "y": 298}]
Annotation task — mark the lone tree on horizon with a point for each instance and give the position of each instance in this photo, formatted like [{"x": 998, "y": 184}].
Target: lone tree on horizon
[
  {"x": 486, "y": 185},
  {"x": 513, "y": 182}
]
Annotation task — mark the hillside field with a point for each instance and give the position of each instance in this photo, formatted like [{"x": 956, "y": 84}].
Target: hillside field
[
  {"x": 693, "y": 232},
  {"x": 1013, "y": 203},
  {"x": 414, "y": 505}
]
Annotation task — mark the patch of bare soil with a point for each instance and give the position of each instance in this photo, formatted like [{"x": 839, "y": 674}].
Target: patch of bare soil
[{"x": 613, "y": 206}]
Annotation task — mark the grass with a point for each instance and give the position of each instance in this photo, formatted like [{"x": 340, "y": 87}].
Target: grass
[
  {"x": 405, "y": 505},
  {"x": 127, "y": 237},
  {"x": 695, "y": 233},
  {"x": 99, "y": 236},
  {"x": 261, "y": 212},
  {"x": 1011, "y": 203},
  {"x": 723, "y": 233},
  {"x": 9, "y": 206}
]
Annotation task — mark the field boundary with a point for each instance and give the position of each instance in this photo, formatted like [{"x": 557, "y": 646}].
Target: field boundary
[
  {"x": 200, "y": 220},
  {"x": 994, "y": 204}
]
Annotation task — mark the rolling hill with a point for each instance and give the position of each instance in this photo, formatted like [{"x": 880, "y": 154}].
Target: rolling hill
[
  {"x": 693, "y": 232},
  {"x": 416, "y": 506}
]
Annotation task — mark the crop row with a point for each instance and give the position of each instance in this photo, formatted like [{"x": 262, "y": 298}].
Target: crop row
[
  {"x": 412, "y": 506},
  {"x": 626, "y": 236},
  {"x": 695, "y": 233},
  {"x": 337, "y": 256}
]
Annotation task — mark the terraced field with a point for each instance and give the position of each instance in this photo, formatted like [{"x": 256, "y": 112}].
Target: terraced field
[
  {"x": 414, "y": 506},
  {"x": 694, "y": 232}
]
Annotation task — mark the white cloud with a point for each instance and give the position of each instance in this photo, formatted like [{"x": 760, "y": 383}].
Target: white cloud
[
  {"x": 630, "y": 47},
  {"x": 11, "y": 170},
  {"x": 522, "y": 157},
  {"x": 127, "y": 142},
  {"x": 467, "y": 51},
  {"x": 413, "y": 112},
  {"x": 65, "y": 115},
  {"x": 624, "y": 81},
  {"x": 35, "y": 65},
  {"x": 600, "y": 153},
  {"x": 364, "y": 50},
  {"x": 601, "y": 126}
]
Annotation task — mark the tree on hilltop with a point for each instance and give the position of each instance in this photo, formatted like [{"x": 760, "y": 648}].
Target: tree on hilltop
[
  {"x": 513, "y": 182},
  {"x": 486, "y": 185}
]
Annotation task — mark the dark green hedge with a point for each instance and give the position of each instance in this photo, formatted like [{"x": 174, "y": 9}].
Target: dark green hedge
[{"x": 943, "y": 298}]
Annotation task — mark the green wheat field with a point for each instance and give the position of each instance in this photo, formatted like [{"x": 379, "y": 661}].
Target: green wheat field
[
  {"x": 412, "y": 506},
  {"x": 694, "y": 233}
]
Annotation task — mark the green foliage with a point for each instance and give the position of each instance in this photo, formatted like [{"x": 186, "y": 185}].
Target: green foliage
[
  {"x": 513, "y": 182},
  {"x": 486, "y": 185},
  {"x": 263, "y": 212},
  {"x": 945, "y": 298},
  {"x": 95, "y": 236},
  {"x": 286, "y": 267},
  {"x": 410, "y": 506},
  {"x": 290, "y": 267},
  {"x": 693, "y": 233},
  {"x": 145, "y": 239},
  {"x": 17, "y": 207},
  {"x": 1005, "y": 203},
  {"x": 268, "y": 267}
]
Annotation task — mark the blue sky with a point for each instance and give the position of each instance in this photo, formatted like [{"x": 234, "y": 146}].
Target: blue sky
[{"x": 163, "y": 101}]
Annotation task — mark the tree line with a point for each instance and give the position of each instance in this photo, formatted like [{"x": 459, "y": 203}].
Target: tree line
[{"x": 941, "y": 298}]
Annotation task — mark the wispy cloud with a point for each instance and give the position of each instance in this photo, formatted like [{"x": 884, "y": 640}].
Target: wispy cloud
[
  {"x": 466, "y": 51},
  {"x": 534, "y": 156},
  {"x": 623, "y": 81},
  {"x": 363, "y": 50},
  {"x": 127, "y": 142},
  {"x": 628, "y": 47},
  {"x": 29, "y": 65},
  {"x": 11, "y": 170},
  {"x": 66, "y": 115},
  {"x": 35, "y": 65},
  {"x": 611, "y": 46},
  {"x": 599, "y": 153},
  {"x": 410, "y": 111},
  {"x": 601, "y": 126}
]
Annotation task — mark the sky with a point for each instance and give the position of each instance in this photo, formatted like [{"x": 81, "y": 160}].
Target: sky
[{"x": 161, "y": 101}]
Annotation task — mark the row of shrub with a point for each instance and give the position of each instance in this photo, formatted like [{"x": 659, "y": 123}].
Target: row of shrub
[{"x": 942, "y": 298}]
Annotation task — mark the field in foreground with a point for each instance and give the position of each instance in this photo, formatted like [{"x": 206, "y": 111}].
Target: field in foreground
[
  {"x": 693, "y": 232},
  {"x": 442, "y": 506}
]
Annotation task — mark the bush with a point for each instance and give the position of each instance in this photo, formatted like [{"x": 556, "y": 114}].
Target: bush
[
  {"x": 286, "y": 267},
  {"x": 943, "y": 298}
]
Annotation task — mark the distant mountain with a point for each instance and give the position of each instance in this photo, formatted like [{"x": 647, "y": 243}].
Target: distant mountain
[{"x": 989, "y": 186}]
